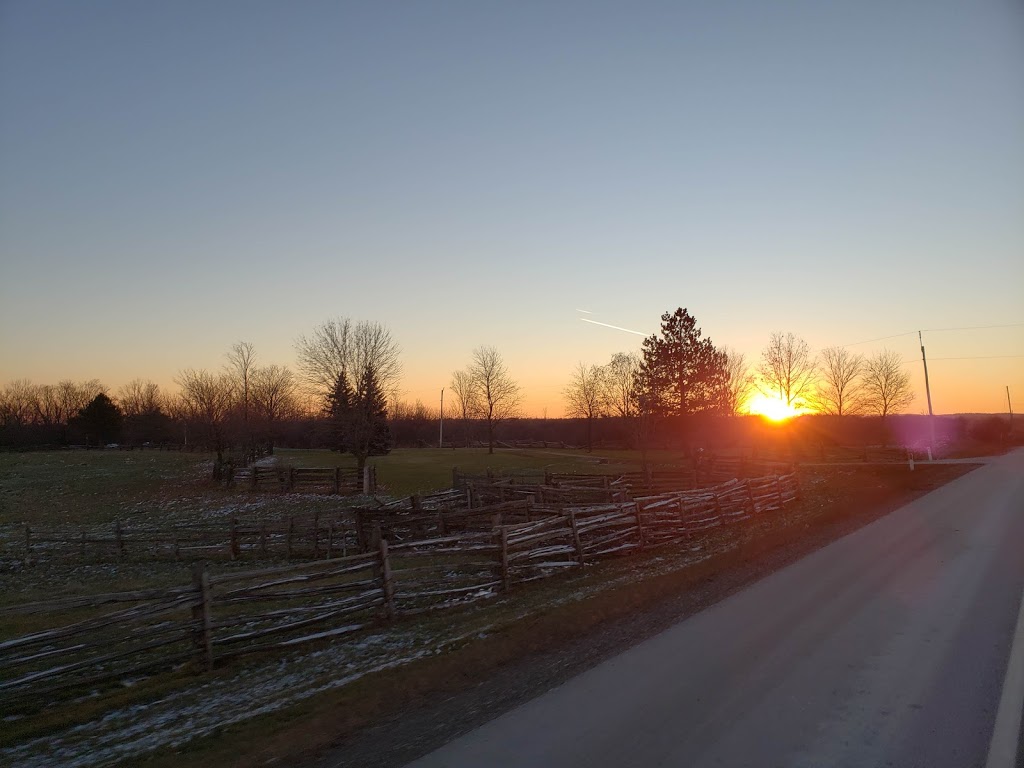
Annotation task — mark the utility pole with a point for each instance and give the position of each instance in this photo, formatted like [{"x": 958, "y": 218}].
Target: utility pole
[
  {"x": 440, "y": 439},
  {"x": 1010, "y": 406},
  {"x": 928, "y": 393}
]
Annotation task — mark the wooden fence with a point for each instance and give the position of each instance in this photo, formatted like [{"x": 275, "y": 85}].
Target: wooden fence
[
  {"x": 216, "y": 617},
  {"x": 288, "y": 479}
]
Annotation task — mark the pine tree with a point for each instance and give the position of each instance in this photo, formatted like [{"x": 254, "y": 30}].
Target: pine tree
[
  {"x": 682, "y": 373},
  {"x": 340, "y": 412},
  {"x": 369, "y": 433}
]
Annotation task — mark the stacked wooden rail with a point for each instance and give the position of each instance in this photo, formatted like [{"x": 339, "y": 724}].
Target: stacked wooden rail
[
  {"x": 288, "y": 479},
  {"x": 298, "y": 536},
  {"x": 217, "y": 617}
]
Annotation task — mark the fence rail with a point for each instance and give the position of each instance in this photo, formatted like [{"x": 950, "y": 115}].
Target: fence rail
[{"x": 459, "y": 556}]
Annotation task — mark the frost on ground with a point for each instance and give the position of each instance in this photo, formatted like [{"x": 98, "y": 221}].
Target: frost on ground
[
  {"x": 215, "y": 703},
  {"x": 247, "y": 691}
]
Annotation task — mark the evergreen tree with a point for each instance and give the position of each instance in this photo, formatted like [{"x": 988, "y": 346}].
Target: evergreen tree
[
  {"x": 100, "y": 420},
  {"x": 339, "y": 412},
  {"x": 681, "y": 372},
  {"x": 369, "y": 433}
]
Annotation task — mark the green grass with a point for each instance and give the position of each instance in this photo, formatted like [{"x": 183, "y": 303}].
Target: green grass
[
  {"x": 75, "y": 487},
  {"x": 406, "y": 471}
]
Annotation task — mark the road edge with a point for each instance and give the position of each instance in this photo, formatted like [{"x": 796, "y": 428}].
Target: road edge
[{"x": 1003, "y": 748}]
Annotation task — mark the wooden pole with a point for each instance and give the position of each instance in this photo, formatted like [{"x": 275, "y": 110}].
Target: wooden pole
[
  {"x": 387, "y": 584},
  {"x": 118, "y": 538},
  {"x": 234, "y": 538},
  {"x": 506, "y": 577},
  {"x": 639, "y": 525},
  {"x": 330, "y": 540},
  {"x": 316, "y": 536},
  {"x": 576, "y": 537},
  {"x": 288, "y": 537},
  {"x": 203, "y": 632},
  {"x": 263, "y": 539}
]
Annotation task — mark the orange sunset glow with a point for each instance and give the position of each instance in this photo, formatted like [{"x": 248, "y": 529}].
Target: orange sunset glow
[{"x": 772, "y": 408}]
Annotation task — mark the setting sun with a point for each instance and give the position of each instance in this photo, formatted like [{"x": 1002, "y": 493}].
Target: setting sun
[{"x": 772, "y": 408}]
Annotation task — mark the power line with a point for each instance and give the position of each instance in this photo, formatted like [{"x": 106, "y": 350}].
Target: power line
[
  {"x": 979, "y": 357},
  {"x": 938, "y": 330},
  {"x": 972, "y": 328}
]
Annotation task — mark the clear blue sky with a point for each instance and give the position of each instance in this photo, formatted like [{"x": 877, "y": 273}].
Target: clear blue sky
[{"x": 175, "y": 177}]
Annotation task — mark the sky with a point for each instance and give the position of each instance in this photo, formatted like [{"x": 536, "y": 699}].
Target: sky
[{"x": 178, "y": 177}]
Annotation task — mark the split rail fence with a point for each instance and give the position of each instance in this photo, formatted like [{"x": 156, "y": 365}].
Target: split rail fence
[{"x": 220, "y": 616}]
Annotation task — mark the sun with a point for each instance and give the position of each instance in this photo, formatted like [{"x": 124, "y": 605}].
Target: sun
[{"x": 772, "y": 408}]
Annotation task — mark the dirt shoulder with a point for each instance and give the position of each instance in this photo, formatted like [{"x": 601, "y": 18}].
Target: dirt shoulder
[{"x": 394, "y": 716}]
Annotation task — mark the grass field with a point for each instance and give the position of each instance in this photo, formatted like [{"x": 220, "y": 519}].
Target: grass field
[{"x": 97, "y": 487}]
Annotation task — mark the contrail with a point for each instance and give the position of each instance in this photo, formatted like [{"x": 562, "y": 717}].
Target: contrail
[
  {"x": 585, "y": 311},
  {"x": 608, "y": 325}
]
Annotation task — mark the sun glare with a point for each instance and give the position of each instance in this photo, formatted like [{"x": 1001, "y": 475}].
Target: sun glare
[{"x": 772, "y": 408}]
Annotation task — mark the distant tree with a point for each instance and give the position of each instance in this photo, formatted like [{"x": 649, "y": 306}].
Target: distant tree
[
  {"x": 369, "y": 433},
  {"x": 240, "y": 369},
  {"x": 340, "y": 345},
  {"x": 681, "y": 372},
  {"x": 273, "y": 398},
  {"x": 620, "y": 380},
  {"x": 339, "y": 406},
  {"x": 18, "y": 403},
  {"x": 100, "y": 421},
  {"x": 839, "y": 391},
  {"x": 139, "y": 398},
  {"x": 788, "y": 369},
  {"x": 739, "y": 381},
  {"x": 467, "y": 400},
  {"x": 886, "y": 386},
  {"x": 359, "y": 418},
  {"x": 586, "y": 397},
  {"x": 205, "y": 401},
  {"x": 499, "y": 393}
]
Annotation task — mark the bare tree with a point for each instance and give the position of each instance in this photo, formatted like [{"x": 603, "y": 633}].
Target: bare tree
[
  {"x": 499, "y": 393},
  {"x": 467, "y": 399},
  {"x": 139, "y": 398},
  {"x": 18, "y": 403},
  {"x": 839, "y": 391},
  {"x": 240, "y": 367},
  {"x": 620, "y": 380},
  {"x": 586, "y": 397},
  {"x": 886, "y": 385},
  {"x": 740, "y": 383},
  {"x": 788, "y": 369},
  {"x": 206, "y": 400},
  {"x": 339, "y": 347},
  {"x": 273, "y": 393}
]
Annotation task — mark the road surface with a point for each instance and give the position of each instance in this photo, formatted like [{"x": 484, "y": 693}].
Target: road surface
[{"x": 888, "y": 647}]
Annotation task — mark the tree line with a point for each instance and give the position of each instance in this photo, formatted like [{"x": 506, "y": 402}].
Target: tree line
[
  {"x": 680, "y": 372},
  {"x": 346, "y": 394}
]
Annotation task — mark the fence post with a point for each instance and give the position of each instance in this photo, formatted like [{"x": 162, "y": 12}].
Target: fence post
[
  {"x": 386, "y": 582},
  {"x": 639, "y": 525},
  {"x": 316, "y": 536},
  {"x": 469, "y": 494},
  {"x": 288, "y": 537},
  {"x": 330, "y": 539},
  {"x": 750, "y": 495},
  {"x": 263, "y": 538},
  {"x": 28, "y": 546},
  {"x": 337, "y": 481},
  {"x": 576, "y": 537},
  {"x": 291, "y": 478},
  {"x": 203, "y": 634},
  {"x": 118, "y": 539},
  {"x": 366, "y": 480},
  {"x": 83, "y": 544},
  {"x": 417, "y": 501},
  {"x": 506, "y": 578},
  {"x": 455, "y": 476},
  {"x": 778, "y": 491},
  {"x": 234, "y": 538},
  {"x": 529, "y": 507},
  {"x": 254, "y": 482}
]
